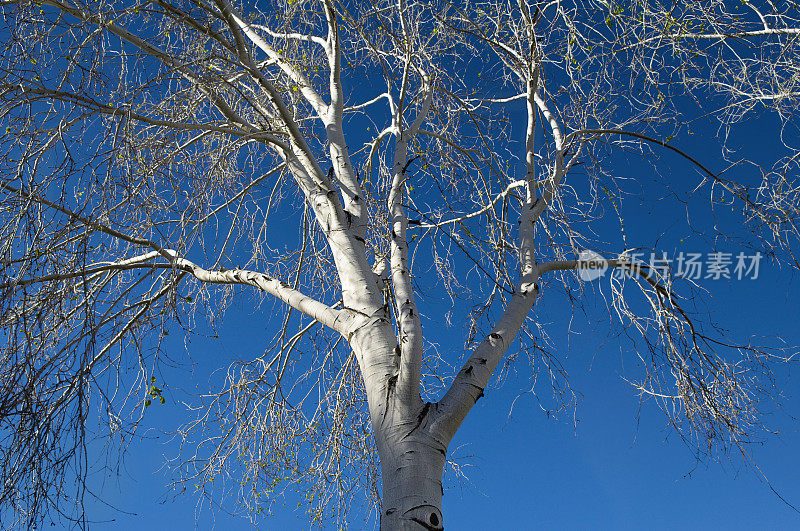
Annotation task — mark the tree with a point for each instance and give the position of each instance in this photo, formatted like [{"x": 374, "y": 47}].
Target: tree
[{"x": 155, "y": 151}]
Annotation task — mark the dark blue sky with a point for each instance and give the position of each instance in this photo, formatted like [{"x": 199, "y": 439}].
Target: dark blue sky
[
  {"x": 610, "y": 471},
  {"x": 615, "y": 465}
]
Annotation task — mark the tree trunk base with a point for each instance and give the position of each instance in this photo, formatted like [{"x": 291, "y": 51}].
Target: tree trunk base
[{"x": 412, "y": 484}]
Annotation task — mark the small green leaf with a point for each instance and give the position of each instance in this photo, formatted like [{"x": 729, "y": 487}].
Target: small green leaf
[{"x": 147, "y": 403}]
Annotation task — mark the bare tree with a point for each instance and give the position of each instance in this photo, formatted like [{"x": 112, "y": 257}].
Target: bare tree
[{"x": 154, "y": 153}]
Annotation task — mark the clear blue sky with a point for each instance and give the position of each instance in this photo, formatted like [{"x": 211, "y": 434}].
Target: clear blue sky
[
  {"x": 618, "y": 467},
  {"x": 615, "y": 465},
  {"x": 527, "y": 471}
]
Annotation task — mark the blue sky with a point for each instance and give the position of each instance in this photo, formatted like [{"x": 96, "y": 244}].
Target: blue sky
[
  {"x": 615, "y": 464},
  {"x": 609, "y": 471}
]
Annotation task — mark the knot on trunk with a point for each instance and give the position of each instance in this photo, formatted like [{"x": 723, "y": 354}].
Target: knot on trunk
[{"x": 428, "y": 516}]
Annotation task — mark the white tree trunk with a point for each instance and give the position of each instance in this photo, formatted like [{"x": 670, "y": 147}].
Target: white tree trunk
[
  {"x": 411, "y": 453},
  {"x": 412, "y": 462}
]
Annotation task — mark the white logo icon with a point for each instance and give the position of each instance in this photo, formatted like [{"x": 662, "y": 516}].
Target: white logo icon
[{"x": 591, "y": 266}]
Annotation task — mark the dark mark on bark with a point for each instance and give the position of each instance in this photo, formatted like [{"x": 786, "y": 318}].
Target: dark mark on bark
[
  {"x": 391, "y": 383},
  {"x": 426, "y": 525},
  {"x": 421, "y": 417},
  {"x": 431, "y": 521}
]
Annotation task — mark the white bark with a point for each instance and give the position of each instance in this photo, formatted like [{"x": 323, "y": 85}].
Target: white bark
[{"x": 411, "y": 466}]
